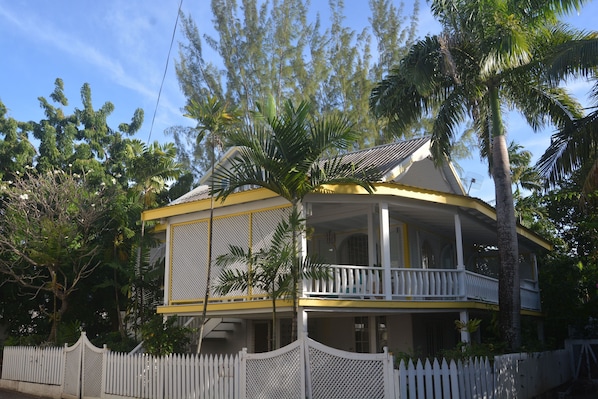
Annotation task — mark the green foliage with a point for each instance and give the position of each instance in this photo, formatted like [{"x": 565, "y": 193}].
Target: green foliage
[
  {"x": 115, "y": 342},
  {"x": 276, "y": 48},
  {"x": 163, "y": 337},
  {"x": 102, "y": 162}
]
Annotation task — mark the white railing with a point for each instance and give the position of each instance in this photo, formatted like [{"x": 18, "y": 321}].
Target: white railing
[
  {"x": 348, "y": 281},
  {"x": 425, "y": 283},
  {"x": 414, "y": 284},
  {"x": 481, "y": 288},
  {"x": 33, "y": 364}
]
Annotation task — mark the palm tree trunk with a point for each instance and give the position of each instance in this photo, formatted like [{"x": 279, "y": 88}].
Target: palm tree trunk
[
  {"x": 296, "y": 265},
  {"x": 509, "y": 300},
  {"x": 274, "y": 335}
]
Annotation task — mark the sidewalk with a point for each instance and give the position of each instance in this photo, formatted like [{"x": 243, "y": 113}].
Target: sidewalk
[{"x": 6, "y": 394}]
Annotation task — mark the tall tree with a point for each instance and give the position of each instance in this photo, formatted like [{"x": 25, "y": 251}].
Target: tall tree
[
  {"x": 273, "y": 47},
  {"x": 83, "y": 145},
  {"x": 284, "y": 152},
  {"x": 488, "y": 56},
  {"x": 52, "y": 227}
]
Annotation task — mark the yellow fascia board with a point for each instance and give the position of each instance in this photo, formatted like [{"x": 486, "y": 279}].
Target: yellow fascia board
[
  {"x": 314, "y": 303},
  {"x": 399, "y": 190},
  {"x": 204, "y": 204},
  {"x": 224, "y": 307}
]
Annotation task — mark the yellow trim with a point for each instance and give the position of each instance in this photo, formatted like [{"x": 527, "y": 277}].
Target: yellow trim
[
  {"x": 159, "y": 227},
  {"x": 313, "y": 303},
  {"x": 225, "y": 307},
  {"x": 204, "y": 204}
]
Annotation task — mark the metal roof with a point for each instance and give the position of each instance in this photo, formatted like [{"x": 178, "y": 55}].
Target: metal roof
[{"x": 387, "y": 158}]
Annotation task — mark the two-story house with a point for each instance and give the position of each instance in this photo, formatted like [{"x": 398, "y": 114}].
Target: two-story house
[{"x": 405, "y": 261}]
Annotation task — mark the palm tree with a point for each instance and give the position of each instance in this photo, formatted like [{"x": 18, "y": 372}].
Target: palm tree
[
  {"x": 270, "y": 268},
  {"x": 286, "y": 154},
  {"x": 215, "y": 118},
  {"x": 576, "y": 144},
  {"x": 488, "y": 57}
]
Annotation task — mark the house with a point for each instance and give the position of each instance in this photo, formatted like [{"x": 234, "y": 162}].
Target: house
[{"x": 406, "y": 261}]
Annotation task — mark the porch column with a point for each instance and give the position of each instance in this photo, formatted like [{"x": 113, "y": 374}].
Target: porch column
[
  {"x": 302, "y": 323},
  {"x": 385, "y": 248},
  {"x": 372, "y": 256},
  {"x": 460, "y": 261},
  {"x": 464, "y": 318},
  {"x": 167, "y": 260}
]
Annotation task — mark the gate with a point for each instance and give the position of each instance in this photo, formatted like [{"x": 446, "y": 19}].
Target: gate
[
  {"x": 83, "y": 370},
  {"x": 309, "y": 369}
]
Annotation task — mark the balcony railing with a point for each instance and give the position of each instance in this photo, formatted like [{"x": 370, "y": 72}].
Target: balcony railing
[{"x": 362, "y": 282}]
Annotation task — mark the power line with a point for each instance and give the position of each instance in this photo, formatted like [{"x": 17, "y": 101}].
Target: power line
[{"x": 176, "y": 22}]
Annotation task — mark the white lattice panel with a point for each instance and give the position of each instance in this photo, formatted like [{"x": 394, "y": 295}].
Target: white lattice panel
[
  {"x": 276, "y": 375},
  {"x": 334, "y": 374},
  {"x": 72, "y": 370},
  {"x": 263, "y": 227},
  {"x": 92, "y": 372},
  {"x": 189, "y": 260},
  {"x": 264, "y": 224},
  {"x": 229, "y": 231}
]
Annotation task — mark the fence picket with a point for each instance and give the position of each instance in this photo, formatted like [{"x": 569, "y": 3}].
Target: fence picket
[{"x": 428, "y": 378}]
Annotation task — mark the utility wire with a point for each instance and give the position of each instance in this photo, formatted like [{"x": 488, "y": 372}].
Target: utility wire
[{"x": 176, "y": 22}]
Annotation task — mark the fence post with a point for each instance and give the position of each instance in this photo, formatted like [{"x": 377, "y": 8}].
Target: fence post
[{"x": 242, "y": 374}]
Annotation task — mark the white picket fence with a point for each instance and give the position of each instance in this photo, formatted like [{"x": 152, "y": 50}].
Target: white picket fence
[
  {"x": 323, "y": 371},
  {"x": 32, "y": 364},
  {"x": 517, "y": 375},
  {"x": 175, "y": 376}
]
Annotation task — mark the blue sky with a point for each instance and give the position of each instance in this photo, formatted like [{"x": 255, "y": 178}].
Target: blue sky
[{"x": 120, "y": 48}]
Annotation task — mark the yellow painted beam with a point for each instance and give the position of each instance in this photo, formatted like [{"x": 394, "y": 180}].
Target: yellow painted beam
[{"x": 204, "y": 204}]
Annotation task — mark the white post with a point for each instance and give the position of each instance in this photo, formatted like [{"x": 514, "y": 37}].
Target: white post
[
  {"x": 385, "y": 248},
  {"x": 302, "y": 327},
  {"x": 460, "y": 261},
  {"x": 373, "y": 333},
  {"x": 167, "y": 260},
  {"x": 465, "y": 335}
]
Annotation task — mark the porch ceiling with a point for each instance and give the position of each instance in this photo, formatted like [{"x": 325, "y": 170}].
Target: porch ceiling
[{"x": 477, "y": 228}]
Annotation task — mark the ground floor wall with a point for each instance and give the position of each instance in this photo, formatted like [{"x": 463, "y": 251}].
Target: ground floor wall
[{"x": 416, "y": 334}]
